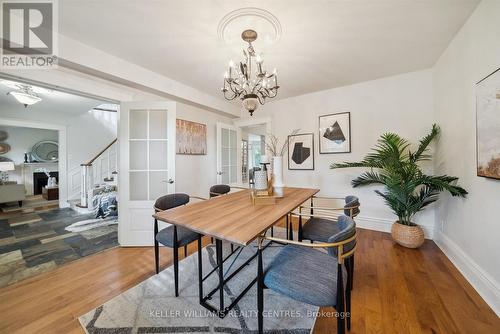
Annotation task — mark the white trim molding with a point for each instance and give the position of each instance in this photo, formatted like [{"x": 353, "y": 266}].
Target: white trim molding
[
  {"x": 384, "y": 225},
  {"x": 486, "y": 285}
]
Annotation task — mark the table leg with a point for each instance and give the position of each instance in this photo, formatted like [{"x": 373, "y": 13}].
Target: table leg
[
  {"x": 260, "y": 290},
  {"x": 287, "y": 223},
  {"x": 200, "y": 270},
  {"x": 218, "y": 251}
]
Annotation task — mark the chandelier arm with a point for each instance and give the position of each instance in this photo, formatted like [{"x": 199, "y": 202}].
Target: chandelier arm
[
  {"x": 261, "y": 101},
  {"x": 229, "y": 98},
  {"x": 234, "y": 89}
]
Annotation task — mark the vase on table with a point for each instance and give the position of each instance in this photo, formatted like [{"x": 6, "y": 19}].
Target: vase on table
[{"x": 278, "y": 175}]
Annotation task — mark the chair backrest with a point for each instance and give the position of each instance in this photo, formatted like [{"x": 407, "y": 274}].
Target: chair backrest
[
  {"x": 171, "y": 201},
  {"x": 351, "y": 202},
  {"x": 219, "y": 189},
  {"x": 347, "y": 228}
]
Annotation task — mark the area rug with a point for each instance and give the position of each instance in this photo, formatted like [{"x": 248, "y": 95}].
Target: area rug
[
  {"x": 151, "y": 307},
  {"x": 89, "y": 224}
]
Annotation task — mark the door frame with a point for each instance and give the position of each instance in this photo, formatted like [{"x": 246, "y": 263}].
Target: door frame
[{"x": 244, "y": 122}]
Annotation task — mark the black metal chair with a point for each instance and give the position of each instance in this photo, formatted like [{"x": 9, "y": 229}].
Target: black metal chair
[
  {"x": 172, "y": 236},
  {"x": 305, "y": 274},
  {"x": 219, "y": 189}
]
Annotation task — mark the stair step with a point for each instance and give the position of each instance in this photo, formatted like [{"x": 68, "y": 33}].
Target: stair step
[{"x": 75, "y": 205}]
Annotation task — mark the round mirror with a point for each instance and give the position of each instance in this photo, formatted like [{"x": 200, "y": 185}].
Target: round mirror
[
  {"x": 46, "y": 151},
  {"x": 4, "y": 148}
]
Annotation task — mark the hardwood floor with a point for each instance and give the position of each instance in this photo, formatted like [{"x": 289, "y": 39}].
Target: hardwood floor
[{"x": 396, "y": 290}]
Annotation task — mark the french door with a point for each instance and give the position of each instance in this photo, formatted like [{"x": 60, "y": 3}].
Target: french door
[
  {"x": 228, "y": 154},
  {"x": 147, "y": 166}
]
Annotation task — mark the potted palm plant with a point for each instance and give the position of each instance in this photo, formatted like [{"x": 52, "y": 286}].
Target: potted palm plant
[{"x": 407, "y": 190}]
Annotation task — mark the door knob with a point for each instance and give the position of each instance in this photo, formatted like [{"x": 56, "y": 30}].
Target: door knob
[
  {"x": 170, "y": 181},
  {"x": 219, "y": 173}
]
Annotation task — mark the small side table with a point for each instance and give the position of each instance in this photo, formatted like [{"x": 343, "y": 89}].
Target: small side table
[{"x": 50, "y": 194}]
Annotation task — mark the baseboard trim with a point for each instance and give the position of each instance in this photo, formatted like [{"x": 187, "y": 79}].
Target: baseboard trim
[
  {"x": 384, "y": 225},
  {"x": 487, "y": 287}
]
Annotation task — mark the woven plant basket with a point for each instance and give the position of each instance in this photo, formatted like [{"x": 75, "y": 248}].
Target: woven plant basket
[{"x": 407, "y": 236}]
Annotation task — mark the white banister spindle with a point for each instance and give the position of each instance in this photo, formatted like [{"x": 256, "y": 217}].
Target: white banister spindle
[
  {"x": 108, "y": 174},
  {"x": 83, "y": 186}
]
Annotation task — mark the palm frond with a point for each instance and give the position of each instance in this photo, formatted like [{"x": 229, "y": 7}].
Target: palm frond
[
  {"x": 368, "y": 178},
  {"x": 424, "y": 144}
]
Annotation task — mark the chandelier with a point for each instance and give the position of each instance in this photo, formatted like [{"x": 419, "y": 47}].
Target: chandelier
[{"x": 248, "y": 81}]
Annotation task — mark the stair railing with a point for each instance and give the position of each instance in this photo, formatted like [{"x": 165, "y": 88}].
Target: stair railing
[{"x": 88, "y": 177}]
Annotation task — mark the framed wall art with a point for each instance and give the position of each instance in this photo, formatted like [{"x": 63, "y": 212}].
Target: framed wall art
[
  {"x": 301, "y": 151},
  {"x": 488, "y": 126},
  {"x": 335, "y": 133},
  {"x": 191, "y": 137}
]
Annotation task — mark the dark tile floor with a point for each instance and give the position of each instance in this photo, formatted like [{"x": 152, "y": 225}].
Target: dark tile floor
[{"x": 36, "y": 242}]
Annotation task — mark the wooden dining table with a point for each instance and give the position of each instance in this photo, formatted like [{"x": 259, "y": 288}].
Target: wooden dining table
[{"x": 234, "y": 219}]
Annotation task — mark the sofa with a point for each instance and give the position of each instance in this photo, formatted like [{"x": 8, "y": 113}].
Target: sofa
[{"x": 12, "y": 193}]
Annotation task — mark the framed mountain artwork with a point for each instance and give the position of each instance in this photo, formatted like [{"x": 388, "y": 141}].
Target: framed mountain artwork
[
  {"x": 301, "y": 151},
  {"x": 335, "y": 133},
  {"x": 488, "y": 126}
]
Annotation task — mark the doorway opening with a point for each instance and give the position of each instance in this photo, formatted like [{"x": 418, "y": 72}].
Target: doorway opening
[
  {"x": 253, "y": 147},
  {"x": 46, "y": 140}
]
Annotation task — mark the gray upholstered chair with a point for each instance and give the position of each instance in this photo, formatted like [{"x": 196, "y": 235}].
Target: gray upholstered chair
[
  {"x": 308, "y": 275},
  {"x": 322, "y": 223},
  {"x": 172, "y": 236},
  {"x": 319, "y": 227}
]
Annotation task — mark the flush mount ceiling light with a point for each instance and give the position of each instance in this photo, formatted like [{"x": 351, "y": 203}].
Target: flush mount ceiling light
[
  {"x": 18, "y": 85},
  {"x": 248, "y": 80},
  {"x": 25, "y": 95}
]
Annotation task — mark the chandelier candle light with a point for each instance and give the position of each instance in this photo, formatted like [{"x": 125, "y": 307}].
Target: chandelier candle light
[{"x": 249, "y": 81}]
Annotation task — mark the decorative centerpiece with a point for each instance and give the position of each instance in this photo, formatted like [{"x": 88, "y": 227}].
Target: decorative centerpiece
[
  {"x": 407, "y": 189},
  {"x": 277, "y": 151},
  {"x": 264, "y": 196},
  {"x": 261, "y": 177}
]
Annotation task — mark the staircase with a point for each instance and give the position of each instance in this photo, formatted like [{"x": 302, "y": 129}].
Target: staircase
[{"x": 97, "y": 173}]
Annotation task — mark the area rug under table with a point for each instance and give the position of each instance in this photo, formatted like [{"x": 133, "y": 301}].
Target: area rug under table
[{"x": 151, "y": 307}]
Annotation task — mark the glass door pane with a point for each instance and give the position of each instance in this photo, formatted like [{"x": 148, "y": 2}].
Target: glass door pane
[{"x": 148, "y": 150}]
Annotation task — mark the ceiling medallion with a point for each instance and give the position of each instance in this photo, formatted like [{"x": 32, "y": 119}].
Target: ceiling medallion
[
  {"x": 231, "y": 25},
  {"x": 248, "y": 80}
]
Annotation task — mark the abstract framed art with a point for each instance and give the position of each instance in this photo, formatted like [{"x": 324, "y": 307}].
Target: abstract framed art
[
  {"x": 191, "y": 138},
  {"x": 301, "y": 151},
  {"x": 335, "y": 133},
  {"x": 488, "y": 126}
]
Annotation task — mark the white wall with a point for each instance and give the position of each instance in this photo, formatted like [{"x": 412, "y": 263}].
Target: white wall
[
  {"x": 21, "y": 140},
  {"x": 468, "y": 230},
  {"x": 195, "y": 174},
  {"x": 401, "y": 103}
]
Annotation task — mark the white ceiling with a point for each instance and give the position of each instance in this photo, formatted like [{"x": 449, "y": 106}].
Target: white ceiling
[{"x": 324, "y": 44}]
